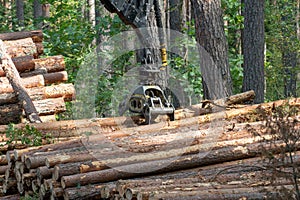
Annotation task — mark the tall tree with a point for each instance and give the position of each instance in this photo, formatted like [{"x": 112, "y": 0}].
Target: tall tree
[
  {"x": 175, "y": 7},
  {"x": 289, "y": 48},
  {"x": 37, "y": 9},
  {"x": 210, "y": 35},
  {"x": 20, "y": 12},
  {"x": 253, "y": 48}
]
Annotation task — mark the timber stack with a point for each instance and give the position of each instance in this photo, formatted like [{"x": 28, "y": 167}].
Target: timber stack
[
  {"x": 208, "y": 152},
  {"x": 43, "y": 78}
]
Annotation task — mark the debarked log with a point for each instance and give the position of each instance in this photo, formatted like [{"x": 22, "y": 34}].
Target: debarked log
[
  {"x": 21, "y": 47},
  {"x": 67, "y": 91},
  {"x": 50, "y": 106},
  {"x": 50, "y": 64},
  {"x": 35, "y": 81}
]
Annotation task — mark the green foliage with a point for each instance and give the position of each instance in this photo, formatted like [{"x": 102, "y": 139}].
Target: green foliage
[
  {"x": 190, "y": 73},
  {"x": 281, "y": 37},
  {"x": 28, "y": 135},
  {"x": 233, "y": 28}
]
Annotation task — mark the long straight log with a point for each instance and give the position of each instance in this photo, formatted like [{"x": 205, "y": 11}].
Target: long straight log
[
  {"x": 72, "y": 127},
  {"x": 167, "y": 165},
  {"x": 36, "y": 35},
  {"x": 215, "y": 194},
  {"x": 46, "y": 148},
  {"x": 119, "y": 158}
]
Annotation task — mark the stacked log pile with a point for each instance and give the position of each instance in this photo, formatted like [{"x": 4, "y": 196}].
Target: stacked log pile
[
  {"x": 211, "y": 156},
  {"x": 43, "y": 78}
]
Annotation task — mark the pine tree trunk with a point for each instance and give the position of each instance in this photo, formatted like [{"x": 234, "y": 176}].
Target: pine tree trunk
[
  {"x": 37, "y": 9},
  {"x": 20, "y": 12},
  {"x": 253, "y": 48},
  {"x": 213, "y": 51}
]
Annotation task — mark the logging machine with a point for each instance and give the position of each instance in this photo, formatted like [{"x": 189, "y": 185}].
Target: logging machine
[{"x": 148, "y": 99}]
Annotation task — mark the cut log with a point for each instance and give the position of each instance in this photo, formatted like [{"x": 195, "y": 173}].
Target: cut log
[
  {"x": 9, "y": 186},
  {"x": 56, "y": 77},
  {"x": 14, "y": 79},
  {"x": 10, "y": 113},
  {"x": 39, "y": 49},
  {"x": 57, "y": 193},
  {"x": 51, "y": 147},
  {"x": 23, "y": 64},
  {"x": 83, "y": 192},
  {"x": 28, "y": 82},
  {"x": 50, "y": 106},
  {"x": 40, "y": 66},
  {"x": 36, "y": 35},
  {"x": 118, "y": 158},
  {"x": 208, "y": 106},
  {"x": 67, "y": 91},
  {"x": 75, "y": 127},
  {"x": 21, "y": 47},
  {"x": 51, "y": 64},
  {"x": 214, "y": 156},
  {"x": 8, "y": 98},
  {"x": 13, "y": 112},
  {"x": 215, "y": 194}
]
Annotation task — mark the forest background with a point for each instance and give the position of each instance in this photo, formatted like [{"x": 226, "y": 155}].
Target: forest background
[{"x": 74, "y": 28}]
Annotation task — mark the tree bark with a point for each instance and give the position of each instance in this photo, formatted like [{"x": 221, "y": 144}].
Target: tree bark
[
  {"x": 224, "y": 154},
  {"x": 253, "y": 48},
  {"x": 36, "y": 35},
  {"x": 210, "y": 34},
  {"x": 37, "y": 9},
  {"x": 84, "y": 192},
  {"x": 20, "y": 12},
  {"x": 14, "y": 78},
  {"x": 56, "y": 77},
  {"x": 51, "y": 147}
]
